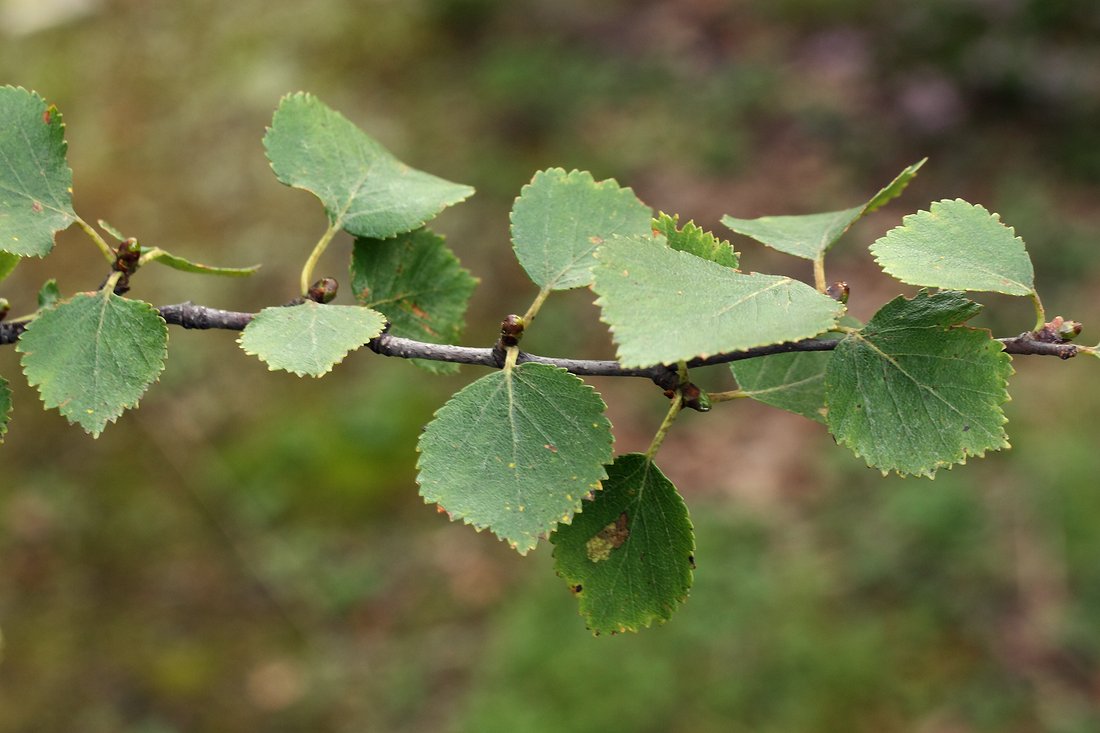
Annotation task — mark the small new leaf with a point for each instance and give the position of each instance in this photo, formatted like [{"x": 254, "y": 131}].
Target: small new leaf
[
  {"x": 365, "y": 190},
  {"x": 94, "y": 356},
  {"x": 48, "y": 294},
  {"x": 628, "y": 556},
  {"x": 812, "y": 235},
  {"x": 36, "y": 199},
  {"x": 560, "y": 219},
  {"x": 516, "y": 451},
  {"x": 156, "y": 254},
  {"x": 915, "y": 390},
  {"x": 309, "y": 338},
  {"x": 957, "y": 245},
  {"x": 8, "y": 262},
  {"x": 665, "y": 306},
  {"x": 693, "y": 239},
  {"x": 418, "y": 283}
]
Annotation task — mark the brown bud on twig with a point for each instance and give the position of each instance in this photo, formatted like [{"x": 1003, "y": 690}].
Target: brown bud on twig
[
  {"x": 695, "y": 398},
  {"x": 838, "y": 291},
  {"x": 511, "y": 331},
  {"x": 1058, "y": 331},
  {"x": 323, "y": 291}
]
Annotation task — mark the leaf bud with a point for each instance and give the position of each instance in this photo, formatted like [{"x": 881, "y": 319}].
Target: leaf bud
[
  {"x": 511, "y": 330},
  {"x": 5, "y": 308},
  {"x": 1069, "y": 330},
  {"x": 695, "y": 398},
  {"x": 323, "y": 291},
  {"x": 838, "y": 291},
  {"x": 127, "y": 255},
  {"x": 1058, "y": 331}
]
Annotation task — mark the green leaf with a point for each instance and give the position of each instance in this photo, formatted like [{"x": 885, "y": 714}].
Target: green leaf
[
  {"x": 812, "y": 235},
  {"x": 7, "y": 264},
  {"x": 94, "y": 356},
  {"x": 309, "y": 338},
  {"x": 113, "y": 231},
  {"x": 629, "y": 555},
  {"x": 48, "y": 294},
  {"x": 560, "y": 219},
  {"x": 365, "y": 190},
  {"x": 665, "y": 306},
  {"x": 156, "y": 254},
  {"x": 793, "y": 382},
  {"x": 914, "y": 390},
  {"x": 516, "y": 451},
  {"x": 5, "y": 407},
  {"x": 693, "y": 239},
  {"x": 959, "y": 246},
  {"x": 418, "y": 283},
  {"x": 36, "y": 199}
]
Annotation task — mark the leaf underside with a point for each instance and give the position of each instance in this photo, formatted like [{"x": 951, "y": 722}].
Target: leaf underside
[
  {"x": 516, "y": 452},
  {"x": 36, "y": 198},
  {"x": 665, "y": 306},
  {"x": 5, "y": 407},
  {"x": 418, "y": 284},
  {"x": 629, "y": 555},
  {"x": 793, "y": 382},
  {"x": 560, "y": 219},
  {"x": 959, "y": 246},
  {"x": 94, "y": 356},
  {"x": 811, "y": 235},
  {"x": 914, "y": 390},
  {"x": 365, "y": 190},
  {"x": 310, "y": 338}
]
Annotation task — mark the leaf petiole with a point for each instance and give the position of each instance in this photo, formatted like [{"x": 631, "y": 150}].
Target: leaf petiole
[
  {"x": 105, "y": 248},
  {"x": 315, "y": 255},
  {"x": 1040, "y": 312},
  {"x": 670, "y": 417},
  {"x": 819, "y": 273},
  {"x": 536, "y": 305}
]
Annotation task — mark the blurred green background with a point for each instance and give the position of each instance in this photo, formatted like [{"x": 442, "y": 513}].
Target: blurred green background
[{"x": 247, "y": 550}]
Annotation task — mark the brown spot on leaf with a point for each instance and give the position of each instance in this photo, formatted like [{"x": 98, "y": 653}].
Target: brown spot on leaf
[
  {"x": 418, "y": 311},
  {"x": 607, "y": 539},
  {"x": 37, "y": 206},
  {"x": 576, "y": 588},
  {"x": 551, "y": 447},
  {"x": 47, "y": 116}
]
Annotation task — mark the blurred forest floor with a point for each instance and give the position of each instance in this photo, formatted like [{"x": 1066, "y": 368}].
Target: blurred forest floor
[{"x": 247, "y": 551}]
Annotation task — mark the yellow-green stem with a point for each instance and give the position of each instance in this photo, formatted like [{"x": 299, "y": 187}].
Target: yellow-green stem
[
  {"x": 1040, "y": 312},
  {"x": 819, "y": 273},
  {"x": 112, "y": 280},
  {"x": 673, "y": 411},
  {"x": 510, "y": 358},
  {"x": 536, "y": 304},
  {"x": 105, "y": 248},
  {"x": 315, "y": 255},
  {"x": 148, "y": 255}
]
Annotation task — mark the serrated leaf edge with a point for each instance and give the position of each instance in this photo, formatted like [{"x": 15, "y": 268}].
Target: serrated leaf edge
[
  {"x": 930, "y": 473},
  {"x": 126, "y": 405},
  {"x": 578, "y": 502},
  {"x": 467, "y": 190},
  {"x": 908, "y": 218},
  {"x": 270, "y": 368},
  {"x": 64, "y": 153},
  {"x": 654, "y": 617},
  {"x": 600, "y": 301}
]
